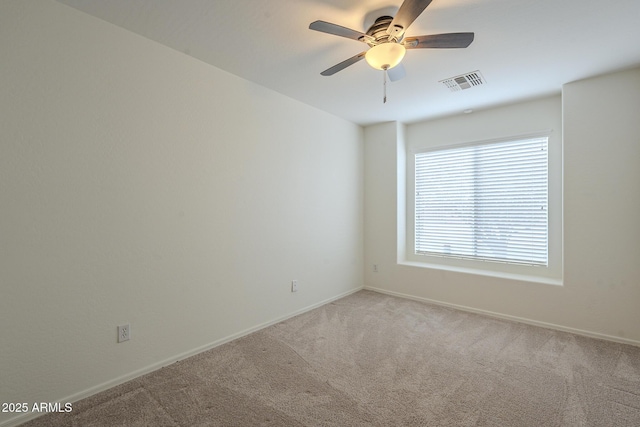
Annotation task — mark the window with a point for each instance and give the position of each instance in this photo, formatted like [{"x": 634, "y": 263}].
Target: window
[{"x": 484, "y": 202}]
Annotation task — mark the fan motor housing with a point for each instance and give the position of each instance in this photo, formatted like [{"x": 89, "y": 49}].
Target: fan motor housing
[{"x": 379, "y": 31}]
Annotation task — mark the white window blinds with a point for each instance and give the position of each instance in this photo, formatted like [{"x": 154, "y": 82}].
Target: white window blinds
[{"x": 484, "y": 202}]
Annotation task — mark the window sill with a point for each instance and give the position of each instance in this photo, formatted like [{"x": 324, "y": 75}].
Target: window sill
[{"x": 498, "y": 274}]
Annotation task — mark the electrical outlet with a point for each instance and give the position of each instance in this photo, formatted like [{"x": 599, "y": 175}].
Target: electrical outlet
[
  {"x": 294, "y": 286},
  {"x": 124, "y": 332},
  {"x": 375, "y": 268}
]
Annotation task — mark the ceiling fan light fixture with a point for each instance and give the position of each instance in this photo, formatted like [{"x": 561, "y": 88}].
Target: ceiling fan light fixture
[{"x": 385, "y": 56}]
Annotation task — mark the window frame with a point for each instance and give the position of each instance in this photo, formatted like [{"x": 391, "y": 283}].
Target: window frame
[{"x": 550, "y": 274}]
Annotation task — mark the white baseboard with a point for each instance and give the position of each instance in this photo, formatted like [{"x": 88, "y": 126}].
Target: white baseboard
[
  {"x": 12, "y": 422},
  {"x": 509, "y": 317}
]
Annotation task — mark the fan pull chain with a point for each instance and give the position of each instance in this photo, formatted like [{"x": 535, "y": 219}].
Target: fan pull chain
[{"x": 384, "y": 85}]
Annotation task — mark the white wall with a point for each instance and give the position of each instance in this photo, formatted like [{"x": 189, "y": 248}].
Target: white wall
[
  {"x": 602, "y": 202},
  {"x": 140, "y": 185},
  {"x": 601, "y": 286}
]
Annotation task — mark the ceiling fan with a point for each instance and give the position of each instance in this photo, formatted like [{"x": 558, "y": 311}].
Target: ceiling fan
[{"x": 387, "y": 44}]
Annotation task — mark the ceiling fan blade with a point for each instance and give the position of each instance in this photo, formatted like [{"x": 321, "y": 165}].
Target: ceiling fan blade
[
  {"x": 396, "y": 73},
  {"x": 439, "y": 41},
  {"x": 337, "y": 30},
  {"x": 408, "y": 12},
  {"x": 344, "y": 64}
]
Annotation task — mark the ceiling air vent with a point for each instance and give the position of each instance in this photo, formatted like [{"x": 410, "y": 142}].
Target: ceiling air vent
[{"x": 464, "y": 81}]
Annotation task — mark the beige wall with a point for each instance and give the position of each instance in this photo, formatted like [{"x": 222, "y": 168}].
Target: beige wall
[
  {"x": 140, "y": 185},
  {"x": 601, "y": 284},
  {"x": 602, "y": 202}
]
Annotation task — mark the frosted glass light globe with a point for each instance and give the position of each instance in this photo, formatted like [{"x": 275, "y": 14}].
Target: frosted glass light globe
[{"x": 385, "y": 56}]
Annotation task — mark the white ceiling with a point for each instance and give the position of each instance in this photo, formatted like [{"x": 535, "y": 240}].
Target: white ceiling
[{"x": 523, "y": 48}]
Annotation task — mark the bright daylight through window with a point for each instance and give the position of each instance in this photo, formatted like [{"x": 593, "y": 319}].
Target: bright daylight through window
[{"x": 486, "y": 202}]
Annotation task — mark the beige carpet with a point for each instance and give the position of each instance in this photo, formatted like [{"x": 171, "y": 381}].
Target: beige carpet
[{"x": 375, "y": 360}]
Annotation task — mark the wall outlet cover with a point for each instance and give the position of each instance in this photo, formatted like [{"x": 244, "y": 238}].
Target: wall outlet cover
[{"x": 124, "y": 333}]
